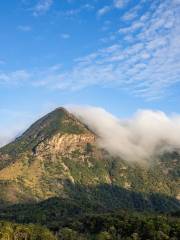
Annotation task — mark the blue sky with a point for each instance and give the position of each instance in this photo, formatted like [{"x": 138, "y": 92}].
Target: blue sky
[{"x": 121, "y": 55}]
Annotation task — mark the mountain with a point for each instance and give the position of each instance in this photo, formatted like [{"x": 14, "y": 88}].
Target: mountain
[{"x": 57, "y": 162}]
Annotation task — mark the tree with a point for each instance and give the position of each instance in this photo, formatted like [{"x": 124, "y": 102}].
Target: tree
[{"x": 104, "y": 236}]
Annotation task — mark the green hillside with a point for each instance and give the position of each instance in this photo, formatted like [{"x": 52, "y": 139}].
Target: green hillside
[{"x": 55, "y": 174}]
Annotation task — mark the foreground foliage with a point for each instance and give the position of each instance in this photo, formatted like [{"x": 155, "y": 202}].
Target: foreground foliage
[
  {"x": 123, "y": 225},
  {"x": 12, "y": 231},
  {"x": 73, "y": 220}
]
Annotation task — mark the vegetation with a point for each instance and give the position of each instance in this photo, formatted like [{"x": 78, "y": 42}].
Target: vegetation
[
  {"x": 12, "y": 231},
  {"x": 78, "y": 192},
  {"x": 122, "y": 225},
  {"x": 83, "y": 200}
]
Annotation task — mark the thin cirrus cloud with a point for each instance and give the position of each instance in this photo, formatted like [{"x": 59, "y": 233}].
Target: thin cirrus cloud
[
  {"x": 42, "y": 7},
  {"x": 144, "y": 57},
  {"x": 115, "y": 4},
  {"x": 14, "y": 78},
  {"x": 132, "y": 14},
  {"x": 103, "y": 11},
  {"x": 146, "y": 60},
  {"x": 74, "y": 12},
  {"x": 120, "y": 3}
]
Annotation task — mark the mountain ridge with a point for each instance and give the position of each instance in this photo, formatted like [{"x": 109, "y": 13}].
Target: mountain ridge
[{"x": 59, "y": 148}]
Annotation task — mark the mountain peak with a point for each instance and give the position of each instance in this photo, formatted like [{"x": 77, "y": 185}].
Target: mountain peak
[
  {"x": 61, "y": 109},
  {"x": 58, "y": 154},
  {"x": 58, "y": 121}
]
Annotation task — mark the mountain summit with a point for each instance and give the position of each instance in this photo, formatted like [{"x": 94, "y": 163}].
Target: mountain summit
[
  {"x": 58, "y": 156},
  {"x": 60, "y": 121},
  {"x": 34, "y": 163}
]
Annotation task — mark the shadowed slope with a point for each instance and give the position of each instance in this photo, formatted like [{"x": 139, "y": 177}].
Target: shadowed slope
[{"x": 85, "y": 200}]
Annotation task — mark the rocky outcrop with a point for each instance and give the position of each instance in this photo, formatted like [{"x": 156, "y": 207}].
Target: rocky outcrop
[{"x": 64, "y": 144}]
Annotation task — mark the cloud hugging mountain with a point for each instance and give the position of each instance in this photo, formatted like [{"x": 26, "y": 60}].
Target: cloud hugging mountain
[{"x": 142, "y": 137}]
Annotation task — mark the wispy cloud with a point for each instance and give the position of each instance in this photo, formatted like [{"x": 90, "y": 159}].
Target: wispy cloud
[
  {"x": 115, "y": 4},
  {"x": 14, "y": 78},
  {"x": 147, "y": 61},
  {"x": 120, "y": 3},
  {"x": 42, "y": 7},
  {"x": 24, "y": 28},
  {"x": 73, "y": 12},
  {"x": 131, "y": 14},
  {"x": 144, "y": 58},
  {"x": 103, "y": 11}
]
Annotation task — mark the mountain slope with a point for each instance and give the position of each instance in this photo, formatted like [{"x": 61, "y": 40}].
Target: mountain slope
[
  {"x": 32, "y": 167},
  {"x": 58, "y": 156}
]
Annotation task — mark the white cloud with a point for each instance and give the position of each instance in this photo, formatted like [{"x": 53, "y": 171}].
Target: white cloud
[
  {"x": 16, "y": 77},
  {"x": 70, "y": 13},
  {"x": 129, "y": 16},
  {"x": 103, "y": 11},
  {"x": 147, "y": 66},
  {"x": 117, "y": 4},
  {"x": 42, "y": 7},
  {"x": 120, "y": 3},
  {"x": 132, "y": 13},
  {"x": 140, "y": 138}
]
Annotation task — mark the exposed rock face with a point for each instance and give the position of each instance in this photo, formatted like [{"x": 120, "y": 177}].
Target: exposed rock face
[
  {"x": 178, "y": 197},
  {"x": 64, "y": 144},
  {"x": 59, "y": 151}
]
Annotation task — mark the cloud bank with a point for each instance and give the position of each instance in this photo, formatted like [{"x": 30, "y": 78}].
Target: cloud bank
[{"x": 141, "y": 138}]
